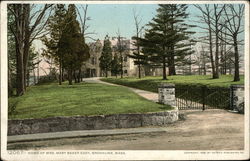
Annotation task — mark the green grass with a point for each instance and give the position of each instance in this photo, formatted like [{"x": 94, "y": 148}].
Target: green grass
[
  {"x": 50, "y": 100},
  {"x": 151, "y": 83}
]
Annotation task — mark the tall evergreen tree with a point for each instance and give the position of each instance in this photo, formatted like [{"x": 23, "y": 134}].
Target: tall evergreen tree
[
  {"x": 140, "y": 59},
  {"x": 72, "y": 44},
  {"x": 106, "y": 56},
  {"x": 56, "y": 25},
  {"x": 66, "y": 44},
  {"x": 167, "y": 41},
  {"x": 115, "y": 65}
]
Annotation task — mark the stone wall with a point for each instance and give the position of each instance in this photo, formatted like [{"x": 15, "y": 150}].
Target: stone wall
[{"x": 57, "y": 124}]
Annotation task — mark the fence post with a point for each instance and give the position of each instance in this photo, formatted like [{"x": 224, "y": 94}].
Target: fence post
[
  {"x": 237, "y": 98},
  {"x": 203, "y": 97},
  {"x": 166, "y": 94}
]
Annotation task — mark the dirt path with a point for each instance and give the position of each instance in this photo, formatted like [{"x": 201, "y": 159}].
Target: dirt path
[{"x": 208, "y": 130}]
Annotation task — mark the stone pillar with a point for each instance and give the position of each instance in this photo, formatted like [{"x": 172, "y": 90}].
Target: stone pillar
[
  {"x": 237, "y": 98},
  {"x": 167, "y": 94}
]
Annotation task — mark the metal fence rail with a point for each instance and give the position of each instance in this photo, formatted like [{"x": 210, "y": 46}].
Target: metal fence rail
[{"x": 202, "y": 98}]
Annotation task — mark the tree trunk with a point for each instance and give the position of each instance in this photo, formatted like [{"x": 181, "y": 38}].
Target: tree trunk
[
  {"x": 139, "y": 68},
  {"x": 70, "y": 76},
  {"x": 20, "y": 74},
  {"x": 121, "y": 66},
  {"x": 106, "y": 73},
  {"x": 60, "y": 70},
  {"x": 211, "y": 53},
  {"x": 19, "y": 30},
  {"x": 236, "y": 63},
  {"x": 75, "y": 77},
  {"x": 26, "y": 40},
  {"x": 79, "y": 75},
  {"x": 28, "y": 79},
  {"x": 63, "y": 79},
  {"x": 172, "y": 63},
  {"x": 216, "y": 73},
  {"x": 164, "y": 75}
]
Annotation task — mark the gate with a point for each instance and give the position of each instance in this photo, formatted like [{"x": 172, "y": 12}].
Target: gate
[{"x": 202, "y": 98}]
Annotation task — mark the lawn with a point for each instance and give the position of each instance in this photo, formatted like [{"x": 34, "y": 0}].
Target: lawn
[
  {"x": 151, "y": 83},
  {"x": 50, "y": 100}
]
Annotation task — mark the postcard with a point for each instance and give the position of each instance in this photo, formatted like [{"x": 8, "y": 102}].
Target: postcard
[{"x": 124, "y": 80}]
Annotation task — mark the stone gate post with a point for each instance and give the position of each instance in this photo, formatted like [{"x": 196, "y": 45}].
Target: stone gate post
[
  {"x": 166, "y": 94},
  {"x": 237, "y": 98}
]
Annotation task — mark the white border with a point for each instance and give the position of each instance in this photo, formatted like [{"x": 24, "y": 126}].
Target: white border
[{"x": 130, "y": 154}]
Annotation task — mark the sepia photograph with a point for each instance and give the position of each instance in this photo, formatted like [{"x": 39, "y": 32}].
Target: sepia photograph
[{"x": 124, "y": 80}]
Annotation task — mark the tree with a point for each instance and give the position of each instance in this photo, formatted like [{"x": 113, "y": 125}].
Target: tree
[
  {"x": 234, "y": 19},
  {"x": 115, "y": 65},
  {"x": 202, "y": 59},
  {"x": 84, "y": 32},
  {"x": 139, "y": 59},
  {"x": 32, "y": 63},
  {"x": 72, "y": 44},
  {"x": 55, "y": 26},
  {"x": 120, "y": 48},
  {"x": 225, "y": 23},
  {"x": 106, "y": 56},
  {"x": 27, "y": 27},
  {"x": 207, "y": 19},
  {"x": 11, "y": 57},
  {"x": 168, "y": 41}
]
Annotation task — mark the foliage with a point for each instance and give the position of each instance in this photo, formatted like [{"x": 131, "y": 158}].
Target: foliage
[
  {"x": 27, "y": 26},
  {"x": 106, "y": 56},
  {"x": 115, "y": 65},
  {"x": 50, "y": 100},
  {"x": 55, "y": 25},
  {"x": 168, "y": 41},
  {"x": 66, "y": 44}
]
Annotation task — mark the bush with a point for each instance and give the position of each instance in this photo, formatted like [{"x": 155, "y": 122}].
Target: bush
[{"x": 46, "y": 79}]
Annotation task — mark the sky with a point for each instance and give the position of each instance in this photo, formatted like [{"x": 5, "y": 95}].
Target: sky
[{"x": 109, "y": 18}]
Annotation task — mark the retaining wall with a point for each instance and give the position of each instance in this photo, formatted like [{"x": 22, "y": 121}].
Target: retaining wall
[{"x": 57, "y": 124}]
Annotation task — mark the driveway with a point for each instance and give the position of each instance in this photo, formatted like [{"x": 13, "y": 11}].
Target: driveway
[
  {"x": 146, "y": 94},
  {"x": 201, "y": 130}
]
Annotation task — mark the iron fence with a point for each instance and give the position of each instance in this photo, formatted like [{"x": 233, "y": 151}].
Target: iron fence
[{"x": 202, "y": 97}]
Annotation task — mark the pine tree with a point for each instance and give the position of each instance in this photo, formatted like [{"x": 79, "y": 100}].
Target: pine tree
[
  {"x": 56, "y": 25},
  {"x": 167, "y": 41},
  {"x": 106, "y": 56},
  {"x": 115, "y": 65},
  {"x": 72, "y": 44}
]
